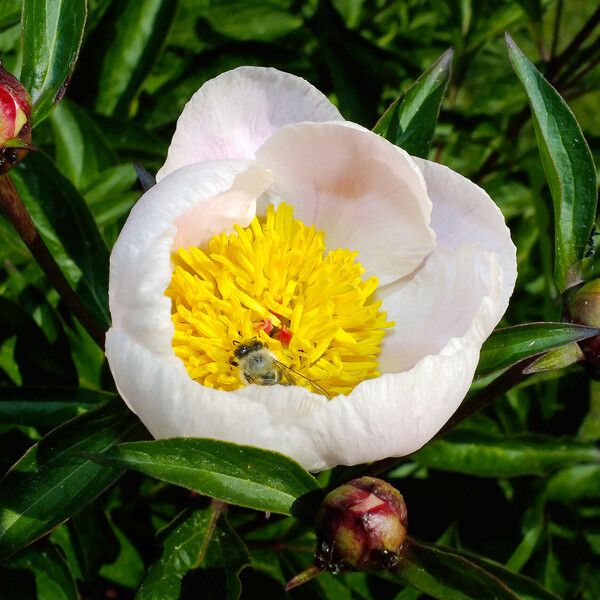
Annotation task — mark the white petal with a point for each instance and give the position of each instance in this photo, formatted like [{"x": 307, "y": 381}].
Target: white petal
[
  {"x": 231, "y": 115},
  {"x": 364, "y": 192},
  {"x": 396, "y": 414},
  {"x": 463, "y": 213},
  {"x": 188, "y": 207},
  {"x": 158, "y": 389},
  {"x": 438, "y": 302}
]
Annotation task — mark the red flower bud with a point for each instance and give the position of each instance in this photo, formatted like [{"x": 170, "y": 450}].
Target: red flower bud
[
  {"x": 15, "y": 127},
  {"x": 361, "y": 525},
  {"x": 584, "y": 307}
]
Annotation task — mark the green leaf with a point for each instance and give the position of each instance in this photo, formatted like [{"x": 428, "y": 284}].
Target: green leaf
[
  {"x": 243, "y": 20},
  {"x": 574, "y": 484},
  {"x": 590, "y": 427},
  {"x": 138, "y": 34},
  {"x": 128, "y": 569},
  {"x": 450, "y": 575},
  {"x": 410, "y": 120},
  {"x": 38, "y": 360},
  {"x": 53, "y": 479},
  {"x": 447, "y": 576},
  {"x": 52, "y": 34},
  {"x": 46, "y": 406},
  {"x": 53, "y": 580},
  {"x": 10, "y": 11},
  {"x": 82, "y": 153},
  {"x": 524, "y": 587},
  {"x": 358, "y": 67},
  {"x": 69, "y": 229},
  {"x": 508, "y": 346},
  {"x": 241, "y": 475},
  {"x": 110, "y": 197},
  {"x": 556, "y": 359},
  {"x": 498, "y": 455},
  {"x": 89, "y": 540},
  {"x": 132, "y": 141},
  {"x": 568, "y": 165},
  {"x": 200, "y": 539}
]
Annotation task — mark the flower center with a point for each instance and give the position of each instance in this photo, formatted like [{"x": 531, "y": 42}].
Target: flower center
[{"x": 269, "y": 299}]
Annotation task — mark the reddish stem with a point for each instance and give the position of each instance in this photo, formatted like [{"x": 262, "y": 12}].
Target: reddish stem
[{"x": 17, "y": 214}]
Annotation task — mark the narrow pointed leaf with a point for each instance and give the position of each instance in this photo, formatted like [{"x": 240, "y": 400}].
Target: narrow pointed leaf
[
  {"x": 68, "y": 228},
  {"x": 568, "y": 165},
  {"x": 495, "y": 455},
  {"x": 38, "y": 360},
  {"x": 450, "y": 575},
  {"x": 202, "y": 539},
  {"x": 241, "y": 475},
  {"x": 410, "y": 120},
  {"x": 142, "y": 28},
  {"x": 52, "y": 34},
  {"x": 54, "y": 479},
  {"x": 524, "y": 587},
  {"x": 574, "y": 484},
  {"x": 53, "y": 580},
  {"x": 557, "y": 359},
  {"x": 82, "y": 153},
  {"x": 510, "y": 345},
  {"x": 47, "y": 406}
]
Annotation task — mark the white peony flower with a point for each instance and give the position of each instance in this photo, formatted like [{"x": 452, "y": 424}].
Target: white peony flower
[{"x": 222, "y": 250}]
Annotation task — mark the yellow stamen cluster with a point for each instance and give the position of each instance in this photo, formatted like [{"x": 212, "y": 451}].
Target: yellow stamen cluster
[{"x": 276, "y": 271}]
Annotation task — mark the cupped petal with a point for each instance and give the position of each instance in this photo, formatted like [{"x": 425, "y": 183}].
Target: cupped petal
[
  {"x": 231, "y": 115},
  {"x": 186, "y": 208},
  {"x": 435, "y": 304},
  {"x": 158, "y": 389},
  {"x": 463, "y": 213},
  {"x": 395, "y": 414},
  {"x": 365, "y": 193}
]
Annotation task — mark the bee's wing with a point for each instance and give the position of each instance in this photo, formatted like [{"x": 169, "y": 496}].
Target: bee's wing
[{"x": 288, "y": 376}]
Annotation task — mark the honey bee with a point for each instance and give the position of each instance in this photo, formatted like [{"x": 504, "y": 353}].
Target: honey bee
[{"x": 258, "y": 365}]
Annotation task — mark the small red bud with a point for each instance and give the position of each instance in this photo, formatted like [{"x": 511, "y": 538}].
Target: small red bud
[
  {"x": 361, "y": 525},
  {"x": 15, "y": 126}
]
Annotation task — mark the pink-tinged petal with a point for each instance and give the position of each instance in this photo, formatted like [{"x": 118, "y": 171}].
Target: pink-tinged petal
[
  {"x": 463, "y": 213},
  {"x": 186, "y": 208},
  {"x": 231, "y": 115},
  {"x": 435, "y": 304},
  {"x": 395, "y": 414},
  {"x": 365, "y": 193}
]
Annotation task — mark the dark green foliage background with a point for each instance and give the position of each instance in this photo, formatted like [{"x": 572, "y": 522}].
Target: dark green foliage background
[{"x": 518, "y": 483}]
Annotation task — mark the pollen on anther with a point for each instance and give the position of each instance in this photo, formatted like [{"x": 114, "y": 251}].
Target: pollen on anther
[{"x": 276, "y": 276}]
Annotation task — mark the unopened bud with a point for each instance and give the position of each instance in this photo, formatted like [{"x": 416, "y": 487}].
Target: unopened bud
[
  {"x": 360, "y": 525},
  {"x": 15, "y": 126},
  {"x": 584, "y": 308}
]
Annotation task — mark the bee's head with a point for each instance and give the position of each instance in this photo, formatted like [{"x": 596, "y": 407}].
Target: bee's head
[{"x": 247, "y": 348}]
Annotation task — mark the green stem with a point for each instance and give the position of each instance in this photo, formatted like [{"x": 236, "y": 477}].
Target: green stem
[
  {"x": 306, "y": 575},
  {"x": 555, "y": 65},
  {"x": 556, "y": 29},
  {"x": 16, "y": 212}
]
